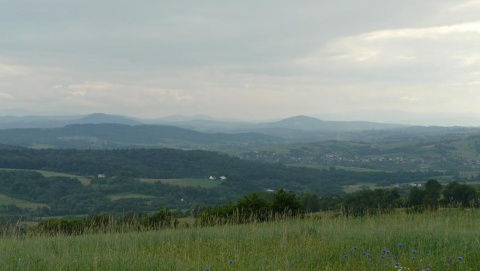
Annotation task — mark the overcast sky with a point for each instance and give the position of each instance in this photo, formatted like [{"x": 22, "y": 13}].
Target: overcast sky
[{"x": 239, "y": 59}]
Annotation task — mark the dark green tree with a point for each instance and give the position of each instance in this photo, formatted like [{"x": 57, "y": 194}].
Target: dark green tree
[
  {"x": 463, "y": 195},
  {"x": 252, "y": 203},
  {"x": 432, "y": 194},
  {"x": 286, "y": 202},
  {"x": 310, "y": 202},
  {"x": 415, "y": 197}
]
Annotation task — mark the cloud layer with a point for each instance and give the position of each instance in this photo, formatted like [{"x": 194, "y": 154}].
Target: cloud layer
[{"x": 260, "y": 60}]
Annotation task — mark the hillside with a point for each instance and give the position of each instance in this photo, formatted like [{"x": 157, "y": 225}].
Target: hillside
[
  {"x": 305, "y": 123},
  {"x": 126, "y": 136},
  {"x": 124, "y": 180},
  {"x": 456, "y": 153}
]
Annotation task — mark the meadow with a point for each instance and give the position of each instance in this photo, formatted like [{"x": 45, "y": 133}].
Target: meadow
[{"x": 442, "y": 240}]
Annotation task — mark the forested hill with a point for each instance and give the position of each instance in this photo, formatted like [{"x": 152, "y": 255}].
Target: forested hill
[
  {"x": 171, "y": 163},
  {"x": 131, "y": 179},
  {"x": 126, "y": 136},
  {"x": 152, "y": 163}
]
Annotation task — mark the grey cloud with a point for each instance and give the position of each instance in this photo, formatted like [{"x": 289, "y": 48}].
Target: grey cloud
[{"x": 304, "y": 55}]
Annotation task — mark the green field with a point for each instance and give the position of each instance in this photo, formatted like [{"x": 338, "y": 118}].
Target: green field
[
  {"x": 83, "y": 180},
  {"x": 6, "y": 200},
  {"x": 204, "y": 183},
  {"x": 445, "y": 240},
  {"x": 45, "y": 173}
]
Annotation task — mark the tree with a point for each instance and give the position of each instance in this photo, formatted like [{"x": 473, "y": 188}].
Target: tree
[
  {"x": 252, "y": 203},
  {"x": 310, "y": 202},
  {"x": 286, "y": 202},
  {"x": 415, "y": 198},
  {"x": 432, "y": 194},
  {"x": 370, "y": 202},
  {"x": 459, "y": 194}
]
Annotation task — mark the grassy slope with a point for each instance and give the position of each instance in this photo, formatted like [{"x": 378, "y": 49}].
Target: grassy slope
[
  {"x": 6, "y": 200},
  {"x": 83, "y": 180},
  {"x": 310, "y": 244}
]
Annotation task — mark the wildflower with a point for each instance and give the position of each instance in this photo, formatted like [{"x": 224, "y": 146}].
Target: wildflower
[
  {"x": 208, "y": 269},
  {"x": 414, "y": 251},
  {"x": 386, "y": 251},
  {"x": 354, "y": 248},
  {"x": 460, "y": 258},
  {"x": 400, "y": 245},
  {"x": 397, "y": 264},
  {"x": 345, "y": 256},
  {"x": 230, "y": 261}
]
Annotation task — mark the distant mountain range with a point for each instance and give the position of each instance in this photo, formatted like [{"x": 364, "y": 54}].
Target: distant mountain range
[
  {"x": 113, "y": 131},
  {"x": 11, "y": 122},
  {"x": 199, "y": 122},
  {"x": 112, "y": 135}
]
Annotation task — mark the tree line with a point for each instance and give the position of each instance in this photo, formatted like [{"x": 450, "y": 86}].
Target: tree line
[{"x": 260, "y": 207}]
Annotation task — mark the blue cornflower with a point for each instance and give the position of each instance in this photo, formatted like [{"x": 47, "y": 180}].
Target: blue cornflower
[
  {"x": 414, "y": 251},
  {"x": 460, "y": 258},
  {"x": 231, "y": 261},
  {"x": 400, "y": 244},
  {"x": 397, "y": 264},
  {"x": 354, "y": 248},
  {"x": 386, "y": 251},
  {"x": 345, "y": 256},
  {"x": 208, "y": 269}
]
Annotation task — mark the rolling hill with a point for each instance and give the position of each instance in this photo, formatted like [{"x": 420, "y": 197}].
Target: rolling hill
[{"x": 125, "y": 136}]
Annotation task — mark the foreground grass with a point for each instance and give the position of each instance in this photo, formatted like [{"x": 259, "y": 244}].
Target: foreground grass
[{"x": 431, "y": 241}]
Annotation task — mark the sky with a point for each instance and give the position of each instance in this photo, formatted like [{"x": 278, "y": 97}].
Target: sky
[{"x": 246, "y": 59}]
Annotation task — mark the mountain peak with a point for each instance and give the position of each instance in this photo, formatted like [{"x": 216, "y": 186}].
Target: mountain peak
[{"x": 98, "y": 118}]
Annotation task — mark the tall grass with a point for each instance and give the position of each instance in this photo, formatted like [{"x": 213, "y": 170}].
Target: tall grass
[{"x": 428, "y": 241}]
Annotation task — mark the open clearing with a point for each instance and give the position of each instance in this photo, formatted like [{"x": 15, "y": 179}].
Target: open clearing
[
  {"x": 45, "y": 173},
  {"x": 83, "y": 180},
  {"x": 6, "y": 200}
]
